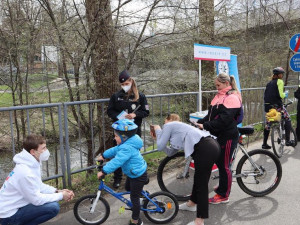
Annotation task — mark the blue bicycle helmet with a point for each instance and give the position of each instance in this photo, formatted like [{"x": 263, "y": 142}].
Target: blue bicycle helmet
[{"x": 125, "y": 128}]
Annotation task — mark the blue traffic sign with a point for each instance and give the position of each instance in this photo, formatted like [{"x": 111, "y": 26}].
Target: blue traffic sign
[
  {"x": 295, "y": 63},
  {"x": 295, "y": 43}
]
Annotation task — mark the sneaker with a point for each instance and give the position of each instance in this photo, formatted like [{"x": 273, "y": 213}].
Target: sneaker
[
  {"x": 185, "y": 207},
  {"x": 193, "y": 223},
  {"x": 217, "y": 199},
  {"x": 266, "y": 146},
  {"x": 116, "y": 183},
  {"x": 290, "y": 143},
  {"x": 140, "y": 222}
]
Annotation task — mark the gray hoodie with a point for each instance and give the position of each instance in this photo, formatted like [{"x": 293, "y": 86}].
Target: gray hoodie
[{"x": 181, "y": 136}]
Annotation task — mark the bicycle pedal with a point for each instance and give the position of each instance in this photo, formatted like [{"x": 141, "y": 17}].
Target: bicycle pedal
[{"x": 128, "y": 209}]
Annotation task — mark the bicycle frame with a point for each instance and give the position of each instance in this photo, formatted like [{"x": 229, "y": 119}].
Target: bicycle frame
[
  {"x": 240, "y": 145},
  {"x": 119, "y": 195}
]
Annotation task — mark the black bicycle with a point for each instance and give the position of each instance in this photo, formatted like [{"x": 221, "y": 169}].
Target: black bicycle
[{"x": 278, "y": 134}]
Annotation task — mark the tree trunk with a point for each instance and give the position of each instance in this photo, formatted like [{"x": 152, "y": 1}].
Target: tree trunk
[{"x": 104, "y": 54}]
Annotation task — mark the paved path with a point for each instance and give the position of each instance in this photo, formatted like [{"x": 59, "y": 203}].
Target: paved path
[{"x": 281, "y": 207}]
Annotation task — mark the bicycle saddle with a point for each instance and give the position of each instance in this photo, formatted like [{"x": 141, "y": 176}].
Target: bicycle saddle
[{"x": 246, "y": 130}]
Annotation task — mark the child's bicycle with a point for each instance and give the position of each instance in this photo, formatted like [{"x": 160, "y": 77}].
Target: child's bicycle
[
  {"x": 258, "y": 172},
  {"x": 159, "y": 207}
]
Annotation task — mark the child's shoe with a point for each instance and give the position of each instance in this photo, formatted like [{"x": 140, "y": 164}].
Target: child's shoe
[{"x": 140, "y": 222}]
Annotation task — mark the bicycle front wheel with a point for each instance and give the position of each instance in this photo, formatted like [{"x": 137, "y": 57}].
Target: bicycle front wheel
[
  {"x": 171, "y": 179},
  {"x": 259, "y": 174},
  {"x": 82, "y": 210},
  {"x": 167, "y": 202},
  {"x": 277, "y": 141}
]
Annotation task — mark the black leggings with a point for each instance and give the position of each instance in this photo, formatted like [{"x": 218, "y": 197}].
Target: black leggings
[
  {"x": 206, "y": 153},
  {"x": 135, "y": 186}
]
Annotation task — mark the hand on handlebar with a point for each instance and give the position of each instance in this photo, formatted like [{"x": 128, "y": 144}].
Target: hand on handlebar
[
  {"x": 100, "y": 175},
  {"x": 100, "y": 158}
]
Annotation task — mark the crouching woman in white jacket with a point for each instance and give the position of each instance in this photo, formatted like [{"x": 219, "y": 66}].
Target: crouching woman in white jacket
[{"x": 203, "y": 148}]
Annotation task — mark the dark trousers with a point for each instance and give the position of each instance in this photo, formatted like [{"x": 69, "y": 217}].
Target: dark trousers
[
  {"x": 32, "y": 214},
  {"x": 205, "y": 154},
  {"x": 298, "y": 121},
  {"x": 135, "y": 186},
  {"x": 224, "y": 166},
  {"x": 118, "y": 172}
]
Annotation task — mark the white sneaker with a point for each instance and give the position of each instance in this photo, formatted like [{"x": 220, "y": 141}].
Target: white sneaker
[
  {"x": 184, "y": 206},
  {"x": 193, "y": 223}
]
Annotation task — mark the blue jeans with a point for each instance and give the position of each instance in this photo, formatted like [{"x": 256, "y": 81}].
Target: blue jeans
[{"x": 32, "y": 215}]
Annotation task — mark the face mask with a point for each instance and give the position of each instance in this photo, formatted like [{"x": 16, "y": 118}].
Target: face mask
[
  {"x": 45, "y": 155},
  {"x": 126, "y": 88}
]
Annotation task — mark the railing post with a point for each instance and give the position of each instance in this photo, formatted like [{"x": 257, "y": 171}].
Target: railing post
[
  {"x": 67, "y": 145},
  {"x": 61, "y": 146}
]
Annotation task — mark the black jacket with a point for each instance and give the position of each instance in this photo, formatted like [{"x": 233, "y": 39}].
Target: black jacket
[
  {"x": 220, "y": 121},
  {"x": 297, "y": 95},
  {"x": 272, "y": 96},
  {"x": 119, "y": 101}
]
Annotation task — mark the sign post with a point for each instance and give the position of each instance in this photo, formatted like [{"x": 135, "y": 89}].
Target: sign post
[
  {"x": 295, "y": 60},
  {"x": 211, "y": 53}
]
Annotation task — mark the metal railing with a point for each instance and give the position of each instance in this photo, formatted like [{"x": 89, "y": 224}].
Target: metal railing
[{"x": 75, "y": 129}]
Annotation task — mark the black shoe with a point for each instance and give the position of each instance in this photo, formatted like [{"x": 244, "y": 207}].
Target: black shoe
[
  {"x": 290, "y": 143},
  {"x": 140, "y": 222},
  {"x": 266, "y": 146},
  {"x": 116, "y": 183}
]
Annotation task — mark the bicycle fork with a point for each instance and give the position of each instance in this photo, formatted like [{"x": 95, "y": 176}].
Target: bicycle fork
[
  {"x": 185, "y": 172},
  {"x": 95, "y": 201}
]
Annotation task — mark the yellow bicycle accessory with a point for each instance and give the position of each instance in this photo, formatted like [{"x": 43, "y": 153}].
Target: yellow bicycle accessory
[{"x": 273, "y": 115}]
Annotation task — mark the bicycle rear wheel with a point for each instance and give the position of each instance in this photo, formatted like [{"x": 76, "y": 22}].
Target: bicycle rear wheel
[
  {"x": 277, "y": 141},
  {"x": 82, "y": 210},
  {"x": 164, "y": 200},
  {"x": 262, "y": 181},
  {"x": 170, "y": 179}
]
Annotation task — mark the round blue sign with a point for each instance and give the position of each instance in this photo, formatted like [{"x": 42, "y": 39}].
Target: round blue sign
[
  {"x": 295, "y": 43},
  {"x": 295, "y": 63}
]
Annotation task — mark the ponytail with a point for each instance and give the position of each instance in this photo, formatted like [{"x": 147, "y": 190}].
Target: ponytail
[
  {"x": 135, "y": 90},
  {"x": 233, "y": 84}
]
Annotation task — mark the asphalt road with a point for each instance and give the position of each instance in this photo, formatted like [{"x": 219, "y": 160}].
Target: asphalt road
[{"x": 281, "y": 207}]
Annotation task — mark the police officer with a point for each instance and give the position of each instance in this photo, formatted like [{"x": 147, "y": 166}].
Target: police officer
[{"x": 134, "y": 106}]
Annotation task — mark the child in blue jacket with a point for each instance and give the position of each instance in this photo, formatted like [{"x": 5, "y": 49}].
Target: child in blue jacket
[{"x": 127, "y": 156}]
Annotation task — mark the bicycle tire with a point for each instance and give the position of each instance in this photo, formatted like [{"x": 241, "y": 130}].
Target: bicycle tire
[
  {"x": 264, "y": 183},
  {"x": 181, "y": 188},
  {"x": 165, "y": 200},
  {"x": 82, "y": 210},
  {"x": 276, "y": 139}
]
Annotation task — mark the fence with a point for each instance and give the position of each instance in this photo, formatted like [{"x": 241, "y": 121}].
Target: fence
[{"x": 75, "y": 130}]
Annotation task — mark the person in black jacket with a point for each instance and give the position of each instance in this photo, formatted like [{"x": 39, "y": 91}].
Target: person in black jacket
[
  {"x": 273, "y": 97},
  {"x": 297, "y": 95},
  {"x": 221, "y": 121},
  {"x": 133, "y": 103}
]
